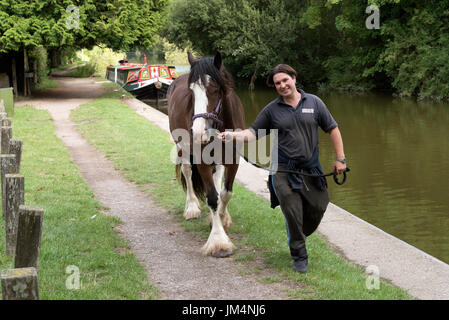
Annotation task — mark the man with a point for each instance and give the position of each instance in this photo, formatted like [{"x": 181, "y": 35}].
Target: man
[{"x": 296, "y": 115}]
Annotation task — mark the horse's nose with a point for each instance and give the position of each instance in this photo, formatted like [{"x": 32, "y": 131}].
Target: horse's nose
[
  {"x": 199, "y": 131},
  {"x": 200, "y": 136}
]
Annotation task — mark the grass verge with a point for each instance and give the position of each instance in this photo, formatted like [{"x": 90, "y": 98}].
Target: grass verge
[
  {"x": 75, "y": 232},
  {"x": 141, "y": 152},
  {"x": 46, "y": 84}
]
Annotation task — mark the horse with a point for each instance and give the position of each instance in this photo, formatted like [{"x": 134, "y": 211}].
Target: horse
[{"x": 201, "y": 102}]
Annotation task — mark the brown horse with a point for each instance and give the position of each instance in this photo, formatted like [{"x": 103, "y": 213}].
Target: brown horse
[{"x": 200, "y": 104}]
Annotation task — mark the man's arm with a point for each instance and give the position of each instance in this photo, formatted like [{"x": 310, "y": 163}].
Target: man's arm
[
  {"x": 241, "y": 136},
  {"x": 337, "y": 142}
]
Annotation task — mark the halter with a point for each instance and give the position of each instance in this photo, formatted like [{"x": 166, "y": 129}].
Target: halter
[{"x": 211, "y": 115}]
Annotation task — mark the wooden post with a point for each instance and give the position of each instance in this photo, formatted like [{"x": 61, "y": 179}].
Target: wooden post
[
  {"x": 20, "y": 284},
  {"x": 15, "y": 196},
  {"x": 15, "y": 147},
  {"x": 29, "y": 233},
  {"x": 7, "y": 166},
  {"x": 25, "y": 71},
  {"x": 6, "y": 133},
  {"x": 35, "y": 71},
  {"x": 6, "y": 122},
  {"x": 14, "y": 76},
  {"x": 2, "y": 106}
]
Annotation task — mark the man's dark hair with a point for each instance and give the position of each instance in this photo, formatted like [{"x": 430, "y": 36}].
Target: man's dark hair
[{"x": 280, "y": 68}]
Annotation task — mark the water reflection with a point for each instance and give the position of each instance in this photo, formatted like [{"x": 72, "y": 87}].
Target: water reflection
[{"x": 398, "y": 152}]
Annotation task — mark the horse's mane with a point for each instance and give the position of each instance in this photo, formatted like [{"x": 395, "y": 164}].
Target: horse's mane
[{"x": 206, "y": 66}]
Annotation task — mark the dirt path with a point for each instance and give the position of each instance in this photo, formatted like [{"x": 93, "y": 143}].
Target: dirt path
[{"x": 170, "y": 255}]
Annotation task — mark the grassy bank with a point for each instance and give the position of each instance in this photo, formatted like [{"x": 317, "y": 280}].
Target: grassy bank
[
  {"x": 75, "y": 232},
  {"x": 141, "y": 151}
]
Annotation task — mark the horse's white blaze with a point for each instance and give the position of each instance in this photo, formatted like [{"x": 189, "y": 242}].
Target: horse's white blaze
[
  {"x": 192, "y": 209},
  {"x": 201, "y": 102},
  {"x": 218, "y": 239}
]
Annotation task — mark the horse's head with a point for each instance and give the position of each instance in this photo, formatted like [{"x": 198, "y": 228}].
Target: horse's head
[{"x": 209, "y": 85}]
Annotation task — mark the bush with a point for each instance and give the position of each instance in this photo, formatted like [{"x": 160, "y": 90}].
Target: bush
[{"x": 97, "y": 60}]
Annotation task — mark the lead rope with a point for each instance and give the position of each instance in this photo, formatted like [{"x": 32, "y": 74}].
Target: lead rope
[{"x": 334, "y": 173}]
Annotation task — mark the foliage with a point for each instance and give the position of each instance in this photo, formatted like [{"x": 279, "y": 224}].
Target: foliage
[
  {"x": 118, "y": 24},
  {"x": 410, "y": 52},
  {"x": 39, "y": 54},
  {"x": 99, "y": 58},
  {"x": 417, "y": 54},
  {"x": 325, "y": 41},
  {"x": 253, "y": 35}
]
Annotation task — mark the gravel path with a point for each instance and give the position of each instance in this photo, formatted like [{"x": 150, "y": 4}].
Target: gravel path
[{"x": 170, "y": 255}]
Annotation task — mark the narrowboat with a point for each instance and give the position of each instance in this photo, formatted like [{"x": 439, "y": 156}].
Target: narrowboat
[{"x": 145, "y": 82}]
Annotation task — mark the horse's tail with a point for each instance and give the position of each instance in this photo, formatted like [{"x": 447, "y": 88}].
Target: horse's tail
[{"x": 198, "y": 185}]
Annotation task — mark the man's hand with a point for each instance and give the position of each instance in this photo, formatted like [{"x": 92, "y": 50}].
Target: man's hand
[
  {"x": 225, "y": 136},
  {"x": 339, "y": 167}
]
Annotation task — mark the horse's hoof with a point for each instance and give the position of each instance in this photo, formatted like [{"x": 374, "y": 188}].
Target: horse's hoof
[
  {"x": 192, "y": 215},
  {"x": 222, "y": 253}
]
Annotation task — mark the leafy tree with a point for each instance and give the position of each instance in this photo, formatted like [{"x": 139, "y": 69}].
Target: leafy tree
[
  {"x": 253, "y": 35},
  {"x": 117, "y": 24},
  {"x": 416, "y": 55}
]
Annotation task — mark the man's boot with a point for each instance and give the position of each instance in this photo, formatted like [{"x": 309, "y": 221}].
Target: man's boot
[{"x": 300, "y": 259}]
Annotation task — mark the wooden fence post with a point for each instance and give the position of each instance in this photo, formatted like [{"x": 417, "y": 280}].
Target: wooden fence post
[
  {"x": 7, "y": 165},
  {"x": 2, "y": 106},
  {"x": 15, "y": 196},
  {"x": 29, "y": 233},
  {"x": 15, "y": 147},
  {"x": 6, "y": 122},
  {"x": 6, "y": 136},
  {"x": 20, "y": 284}
]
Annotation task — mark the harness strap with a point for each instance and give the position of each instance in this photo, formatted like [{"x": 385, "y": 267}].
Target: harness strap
[{"x": 211, "y": 115}]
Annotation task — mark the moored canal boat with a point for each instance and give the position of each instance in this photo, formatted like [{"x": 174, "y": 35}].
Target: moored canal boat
[{"x": 146, "y": 82}]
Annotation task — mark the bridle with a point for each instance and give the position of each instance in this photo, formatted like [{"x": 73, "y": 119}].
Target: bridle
[{"x": 211, "y": 115}]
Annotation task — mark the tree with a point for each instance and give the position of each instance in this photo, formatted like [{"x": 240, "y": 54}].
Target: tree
[
  {"x": 61, "y": 26},
  {"x": 118, "y": 24},
  {"x": 253, "y": 35}
]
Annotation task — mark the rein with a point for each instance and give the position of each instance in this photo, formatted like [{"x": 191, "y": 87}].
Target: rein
[
  {"x": 333, "y": 173},
  {"x": 211, "y": 115}
]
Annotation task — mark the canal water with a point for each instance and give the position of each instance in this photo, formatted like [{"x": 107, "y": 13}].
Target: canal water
[{"x": 398, "y": 153}]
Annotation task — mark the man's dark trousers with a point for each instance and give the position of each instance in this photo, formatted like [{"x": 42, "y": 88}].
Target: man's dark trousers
[{"x": 303, "y": 209}]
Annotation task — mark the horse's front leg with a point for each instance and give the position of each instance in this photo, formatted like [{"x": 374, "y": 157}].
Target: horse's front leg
[
  {"x": 218, "y": 244},
  {"x": 224, "y": 197},
  {"x": 226, "y": 194},
  {"x": 192, "y": 208}
]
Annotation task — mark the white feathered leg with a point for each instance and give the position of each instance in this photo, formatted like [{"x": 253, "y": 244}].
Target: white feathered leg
[
  {"x": 222, "y": 209},
  {"x": 224, "y": 198},
  {"x": 218, "y": 245},
  {"x": 192, "y": 209}
]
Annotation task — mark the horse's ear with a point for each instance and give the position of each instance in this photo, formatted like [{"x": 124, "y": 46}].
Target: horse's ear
[
  {"x": 191, "y": 58},
  {"x": 217, "y": 60}
]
